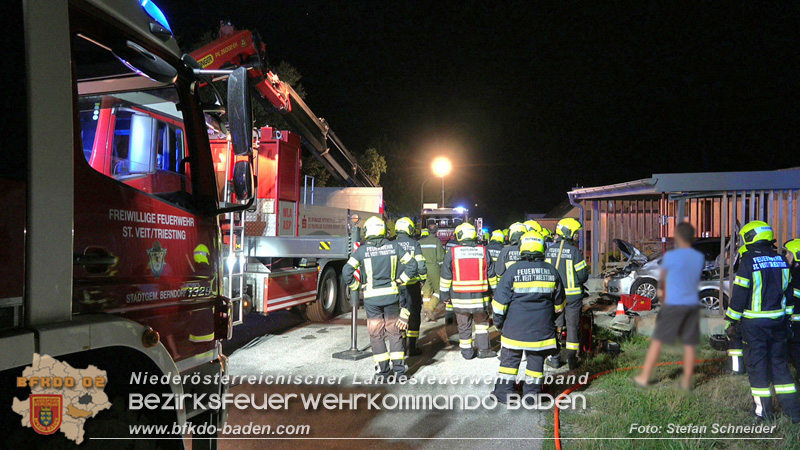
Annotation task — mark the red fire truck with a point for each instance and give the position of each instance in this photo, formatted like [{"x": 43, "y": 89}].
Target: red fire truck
[
  {"x": 110, "y": 251},
  {"x": 289, "y": 248}
]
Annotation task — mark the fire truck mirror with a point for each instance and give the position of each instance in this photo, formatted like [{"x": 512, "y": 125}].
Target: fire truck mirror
[
  {"x": 243, "y": 181},
  {"x": 140, "y": 60},
  {"x": 240, "y": 113}
]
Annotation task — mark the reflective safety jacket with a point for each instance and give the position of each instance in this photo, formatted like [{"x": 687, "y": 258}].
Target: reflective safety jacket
[
  {"x": 761, "y": 288},
  {"x": 572, "y": 268},
  {"x": 382, "y": 265},
  {"x": 432, "y": 250},
  {"x": 465, "y": 278},
  {"x": 793, "y": 302},
  {"x": 494, "y": 248},
  {"x": 525, "y": 304},
  {"x": 505, "y": 259},
  {"x": 413, "y": 247}
]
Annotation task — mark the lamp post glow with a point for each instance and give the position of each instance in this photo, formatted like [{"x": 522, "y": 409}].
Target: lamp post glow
[{"x": 441, "y": 167}]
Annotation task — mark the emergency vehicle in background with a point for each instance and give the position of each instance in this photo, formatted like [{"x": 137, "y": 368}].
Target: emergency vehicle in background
[
  {"x": 447, "y": 219},
  {"x": 287, "y": 250}
]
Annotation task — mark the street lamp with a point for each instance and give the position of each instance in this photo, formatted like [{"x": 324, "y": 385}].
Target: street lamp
[{"x": 441, "y": 167}]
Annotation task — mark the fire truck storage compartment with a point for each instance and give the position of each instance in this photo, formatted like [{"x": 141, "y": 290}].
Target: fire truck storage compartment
[
  {"x": 283, "y": 288},
  {"x": 278, "y": 194}
]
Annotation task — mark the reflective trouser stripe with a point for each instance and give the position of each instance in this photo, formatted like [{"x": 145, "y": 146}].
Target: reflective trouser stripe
[
  {"x": 785, "y": 388},
  {"x": 465, "y": 343},
  {"x": 509, "y": 370},
  {"x": 735, "y": 352},
  {"x": 573, "y": 346},
  {"x": 394, "y": 356},
  {"x": 481, "y": 329},
  {"x": 761, "y": 392},
  {"x": 533, "y": 377},
  {"x": 380, "y": 357},
  {"x": 522, "y": 345},
  {"x": 449, "y": 307},
  {"x": 412, "y": 334}
]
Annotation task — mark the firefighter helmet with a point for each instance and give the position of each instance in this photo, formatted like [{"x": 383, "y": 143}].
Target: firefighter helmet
[
  {"x": 515, "y": 231},
  {"x": 465, "y": 232},
  {"x": 497, "y": 235},
  {"x": 532, "y": 225},
  {"x": 793, "y": 247},
  {"x": 374, "y": 227},
  {"x": 546, "y": 234},
  {"x": 424, "y": 232},
  {"x": 756, "y": 231},
  {"x": 531, "y": 242},
  {"x": 568, "y": 228},
  {"x": 404, "y": 225}
]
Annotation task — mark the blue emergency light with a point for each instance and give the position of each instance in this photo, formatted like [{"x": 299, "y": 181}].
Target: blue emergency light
[{"x": 155, "y": 12}]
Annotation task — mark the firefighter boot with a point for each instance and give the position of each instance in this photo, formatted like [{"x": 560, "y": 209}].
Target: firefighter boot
[
  {"x": 507, "y": 374},
  {"x": 554, "y": 361},
  {"x": 411, "y": 347},
  {"x": 486, "y": 353}
]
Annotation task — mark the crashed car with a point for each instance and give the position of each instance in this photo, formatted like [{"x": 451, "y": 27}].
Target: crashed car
[{"x": 639, "y": 275}]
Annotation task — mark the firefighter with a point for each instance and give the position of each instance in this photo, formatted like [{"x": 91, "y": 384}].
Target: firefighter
[
  {"x": 568, "y": 259},
  {"x": 526, "y": 301},
  {"x": 533, "y": 225},
  {"x": 510, "y": 254},
  {"x": 410, "y": 290},
  {"x": 793, "y": 303},
  {"x": 465, "y": 285},
  {"x": 424, "y": 233},
  {"x": 495, "y": 245},
  {"x": 548, "y": 237},
  {"x": 386, "y": 265},
  {"x": 433, "y": 251},
  {"x": 758, "y": 309}
]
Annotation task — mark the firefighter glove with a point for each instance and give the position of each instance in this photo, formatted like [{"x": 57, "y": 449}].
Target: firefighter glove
[
  {"x": 402, "y": 321},
  {"x": 732, "y": 330}
]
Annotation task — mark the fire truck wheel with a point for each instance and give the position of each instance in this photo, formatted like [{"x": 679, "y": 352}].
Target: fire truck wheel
[
  {"x": 322, "y": 309},
  {"x": 344, "y": 298}
]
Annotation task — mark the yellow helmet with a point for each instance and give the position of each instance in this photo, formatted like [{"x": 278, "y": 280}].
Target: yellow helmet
[
  {"x": 404, "y": 225},
  {"x": 532, "y": 225},
  {"x": 567, "y": 228},
  {"x": 546, "y": 233},
  {"x": 515, "y": 231},
  {"x": 201, "y": 254},
  {"x": 497, "y": 235},
  {"x": 505, "y": 232},
  {"x": 424, "y": 232},
  {"x": 793, "y": 247},
  {"x": 465, "y": 232},
  {"x": 756, "y": 231},
  {"x": 531, "y": 242},
  {"x": 374, "y": 227}
]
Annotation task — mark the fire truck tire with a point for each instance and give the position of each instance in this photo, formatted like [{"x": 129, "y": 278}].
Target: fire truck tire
[
  {"x": 322, "y": 309},
  {"x": 344, "y": 298}
]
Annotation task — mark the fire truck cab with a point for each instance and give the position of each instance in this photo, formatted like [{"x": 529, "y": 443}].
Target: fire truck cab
[{"x": 111, "y": 251}]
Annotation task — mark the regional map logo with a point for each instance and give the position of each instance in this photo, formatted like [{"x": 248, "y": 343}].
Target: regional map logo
[{"x": 62, "y": 397}]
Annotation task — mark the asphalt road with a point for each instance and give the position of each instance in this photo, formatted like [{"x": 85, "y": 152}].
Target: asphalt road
[{"x": 282, "y": 345}]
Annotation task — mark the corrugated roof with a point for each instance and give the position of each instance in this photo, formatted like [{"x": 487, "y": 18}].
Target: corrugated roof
[{"x": 699, "y": 182}]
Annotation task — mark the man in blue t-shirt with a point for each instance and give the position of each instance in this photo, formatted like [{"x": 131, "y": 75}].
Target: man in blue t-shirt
[{"x": 680, "y": 316}]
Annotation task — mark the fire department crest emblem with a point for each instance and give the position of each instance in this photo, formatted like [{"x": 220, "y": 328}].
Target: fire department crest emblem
[
  {"x": 157, "y": 256},
  {"x": 46, "y": 413}
]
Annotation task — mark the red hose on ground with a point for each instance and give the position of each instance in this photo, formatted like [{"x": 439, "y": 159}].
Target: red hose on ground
[{"x": 575, "y": 387}]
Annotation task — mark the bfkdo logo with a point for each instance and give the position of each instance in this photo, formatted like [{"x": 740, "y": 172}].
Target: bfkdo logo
[
  {"x": 46, "y": 413},
  {"x": 62, "y": 398}
]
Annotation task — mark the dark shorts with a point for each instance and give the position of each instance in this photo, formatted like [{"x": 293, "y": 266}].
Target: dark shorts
[{"x": 678, "y": 321}]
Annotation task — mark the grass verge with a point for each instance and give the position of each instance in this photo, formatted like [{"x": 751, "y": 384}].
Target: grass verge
[{"x": 613, "y": 403}]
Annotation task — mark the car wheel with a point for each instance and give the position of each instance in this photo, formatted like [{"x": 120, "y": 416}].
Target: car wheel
[
  {"x": 709, "y": 299},
  {"x": 322, "y": 309},
  {"x": 646, "y": 287}
]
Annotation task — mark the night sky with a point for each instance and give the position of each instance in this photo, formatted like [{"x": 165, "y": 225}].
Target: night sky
[{"x": 532, "y": 98}]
